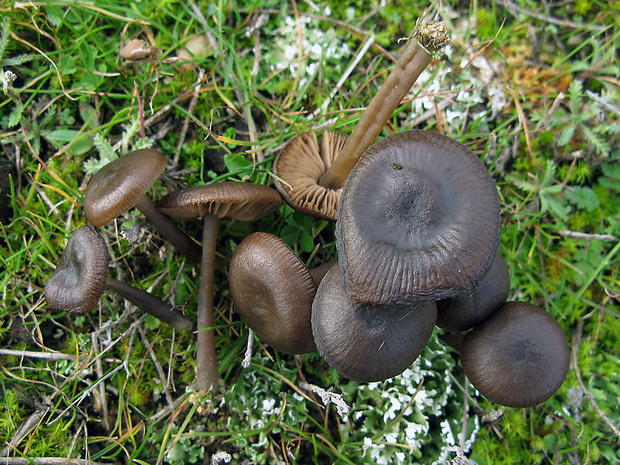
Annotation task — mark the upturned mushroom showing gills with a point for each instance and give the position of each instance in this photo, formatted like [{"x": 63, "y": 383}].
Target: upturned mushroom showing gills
[
  {"x": 312, "y": 176},
  {"x": 518, "y": 357},
  {"x": 235, "y": 200},
  {"x": 123, "y": 184},
  {"x": 273, "y": 292},
  {"x": 302, "y": 163},
  {"x": 419, "y": 219},
  {"x": 364, "y": 342},
  {"x": 81, "y": 277},
  {"x": 464, "y": 311}
]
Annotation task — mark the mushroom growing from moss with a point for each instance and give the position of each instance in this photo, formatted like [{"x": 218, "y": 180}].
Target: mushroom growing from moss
[
  {"x": 312, "y": 177},
  {"x": 273, "y": 292},
  {"x": 123, "y": 184},
  {"x": 366, "y": 342},
  {"x": 419, "y": 219},
  {"x": 235, "y": 200},
  {"x": 518, "y": 357},
  {"x": 81, "y": 277}
]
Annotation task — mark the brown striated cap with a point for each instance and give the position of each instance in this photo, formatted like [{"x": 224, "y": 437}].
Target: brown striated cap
[
  {"x": 464, "y": 311},
  {"x": 79, "y": 279},
  {"x": 273, "y": 291},
  {"x": 368, "y": 343},
  {"x": 236, "y": 200},
  {"x": 419, "y": 219},
  {"x": 518, "y": 357},
  {"x": 300, "y": 166},
  {"x": 119, "y": 185}
]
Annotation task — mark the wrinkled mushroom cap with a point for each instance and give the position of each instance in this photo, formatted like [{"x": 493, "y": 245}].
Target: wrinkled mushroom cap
[
  {"x": 419, "y": 219},
  {"x": 119, "y": 185},
  {"x": 79, "y": 279},
  {"x": 464, "y": 311},
  {"x": 300, "y": 166},
  {"x": 236, "y": 200},
  {"x": 273, "y": 291},
  {"x": 518, "y": 357},
  {"x": 368, "y": 343}
]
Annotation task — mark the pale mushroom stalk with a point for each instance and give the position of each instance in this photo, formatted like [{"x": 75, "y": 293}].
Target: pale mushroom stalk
[
  {"x": 207, "y": 377},
  {"x": 427, "y": 38},
  {"x": 150, "y": 304},
  {"x": 168, "y": 229}
]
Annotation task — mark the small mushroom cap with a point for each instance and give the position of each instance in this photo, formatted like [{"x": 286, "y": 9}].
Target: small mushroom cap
[
  {"x": 464, "y": 311},
  {"x": 241, "y": 201},
  {"x": 419, "y": 219},
  {"x": 368, "y": 343},
  {"x": 273, "y": 292},
  {"x": 119, "y": 185},
  {"x": 518, "y": 357},
  {"x": 301, "y": 165},
  {"x": 79, "y": 279},
  {"x": 197, "y": 46}
]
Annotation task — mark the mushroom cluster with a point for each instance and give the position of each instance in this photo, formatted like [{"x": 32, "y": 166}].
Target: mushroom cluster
[
  {"x": 417, "y": 236},
  {"x": 81, "y": 275}
]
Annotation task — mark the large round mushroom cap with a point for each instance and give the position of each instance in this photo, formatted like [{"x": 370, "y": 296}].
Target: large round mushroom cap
[
  {"x": 368, "y": 343},
  {"x": 419, "y": 219},
  {"x": 518, "y": 357},
  {"x": 79, "y": 279},
  {"x": 241, "y": 201},
  {"x": 273, "y": 292},
  {"x": 464, "y": 311},
  {"x": 119, "y": 185},
  {"x": 301, "y": 165}
]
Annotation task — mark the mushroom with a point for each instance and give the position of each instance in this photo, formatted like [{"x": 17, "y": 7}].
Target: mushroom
[
  {"x": 299, "y": 167},
  {"x": 365, "y": 342},
  {"x": 196, "y": 47},
  {"x": 464, "y": 311},
  {"x": 419, "y": 219},
  {"x": 236, "y": 200},
  {"x": 122, "y": 184},
  {"x": 518, "y": 357},
  {"x": 273, "y": 291},
  {"x": 81, "y": 277},
  {"x": 138, "y": 50},
  {"x": 311, "y": 178}
]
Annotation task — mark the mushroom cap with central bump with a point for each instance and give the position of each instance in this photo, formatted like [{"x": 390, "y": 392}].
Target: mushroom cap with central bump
[
  {"x": 273, "y": 291},
  {"x": 300, "y": 166},
  {"x": 79, "y": 279},
  {"x": 119, "y": 185},
  {"x": 518, "y": 357},
  {"x": 236, "y": 200},
  {"x": 419, "y": 219},
  {"x": 367, "y": 343}
]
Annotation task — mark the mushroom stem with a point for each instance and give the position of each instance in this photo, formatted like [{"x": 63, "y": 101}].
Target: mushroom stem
[
  {"x": 319, "y": 272},
  {"x": 150, "y": 304},
  {"x": 207, "y": 377},
  {"x": 168, "y": 229},
  {"x": 426, "y": 39}
]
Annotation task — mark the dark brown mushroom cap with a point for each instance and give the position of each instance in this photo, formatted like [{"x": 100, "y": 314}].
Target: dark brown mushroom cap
[
  {"x": 273, "y": 291},
  {"x": 236, "y": 200},
  {"x": 464, "y": 311},
  {"x": 368, "y": 343},
  {"x": 120, "y": 184},
  {"x": 79, "y": 279},
  {"x": 419, "y": 219},
  {"x": 300, "y": 166},
  {"x": 518, "y": 357}
]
